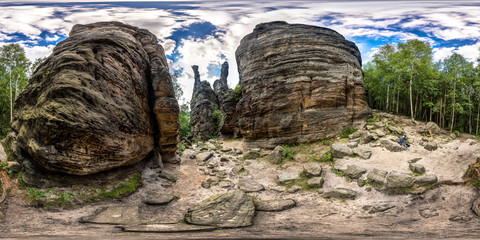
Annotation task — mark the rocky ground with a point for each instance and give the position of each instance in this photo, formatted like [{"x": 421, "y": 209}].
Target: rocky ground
[{"x": 370, "y": 188}]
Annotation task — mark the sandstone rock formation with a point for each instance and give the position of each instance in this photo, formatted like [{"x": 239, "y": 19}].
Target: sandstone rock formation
[
  {"x": 300, "y": 83},
  {"x": 206, "y": 101},
  {"x": 103, "y": 99}
]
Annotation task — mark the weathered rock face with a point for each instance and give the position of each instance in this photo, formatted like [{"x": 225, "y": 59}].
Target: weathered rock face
[
  {"x": 103, "y": 99},
  {"x": 228, "y": 100},
  {"x": 299, "y": 83},
  {"x": 204, "y": 102}
]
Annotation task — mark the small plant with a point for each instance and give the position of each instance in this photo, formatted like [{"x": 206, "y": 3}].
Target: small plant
[
  {"x": 326, "y": 157},
  {"x": 237, "y": 93},
  {"x": 181, "y": 148},
  {"x": 368, "y": 182},
  {"x": 5, "y": 167},
  {"x": 37, "y": 193},
  {"x": 327, "y": 142},
  {"x": 353, "y": 155},
  {"x": 347, "y": 132},
  {"x": 287, "y": 153},
  {"x": 338, "y": 172},
  {"x": 457, "y": 133}
]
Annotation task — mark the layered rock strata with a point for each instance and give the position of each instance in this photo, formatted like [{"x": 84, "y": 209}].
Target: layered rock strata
[
  {"x": 103, "y": 100},
  {"x": 300, "y": 83},
  {"x": 204, "y": 102}
]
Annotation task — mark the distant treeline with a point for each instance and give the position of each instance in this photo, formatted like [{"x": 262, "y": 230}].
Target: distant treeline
[{"x": 404, "y": 79}]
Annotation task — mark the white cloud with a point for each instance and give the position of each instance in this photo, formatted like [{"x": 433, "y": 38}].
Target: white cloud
[
  {"x": 471, "y": 52},
  {"x": 442, "y": 53},
  {"x": 38, "y": 51}
]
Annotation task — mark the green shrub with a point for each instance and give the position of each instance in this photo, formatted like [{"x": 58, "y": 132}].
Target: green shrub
[
  {"x": 37, "y": 193},
  {"x": 217, "y": 116},
  {"x": 287, "y": 153},
  {"x": 237, "y": 93},
  {"x": 184, "y": 119},
  {"x": 347, "y": 132},
  {"x": 327, "y": 142}
]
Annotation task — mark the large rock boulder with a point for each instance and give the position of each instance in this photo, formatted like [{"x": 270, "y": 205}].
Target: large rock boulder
[
  {"x": 300, "y": 83},
  {"x": 104, "y": 99},
  {"x": 232, "y": 209},
  {"x": 203, "y": 104}
]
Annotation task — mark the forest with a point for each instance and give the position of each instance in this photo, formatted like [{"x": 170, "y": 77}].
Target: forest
[
  {"x": 404, "y": 79},
  {"x": 401, "y": 78}
]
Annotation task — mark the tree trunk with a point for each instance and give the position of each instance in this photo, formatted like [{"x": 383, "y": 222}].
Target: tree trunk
[
  {"x": 388, "y": 97},
  {"x": 398, "y": 99},
  {"x": 411, "y": 102},
  {"x": 11, "y": 97},
  {"x": 453, "y": 102}
]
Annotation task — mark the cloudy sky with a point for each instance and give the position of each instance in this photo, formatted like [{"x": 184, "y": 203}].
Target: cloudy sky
[{"x": 207, "y": 33}]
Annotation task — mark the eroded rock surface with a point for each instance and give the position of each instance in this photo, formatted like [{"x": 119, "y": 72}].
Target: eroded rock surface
[
  {"x": 103, "y": 100},
  {"x": 300, "y": 83}
]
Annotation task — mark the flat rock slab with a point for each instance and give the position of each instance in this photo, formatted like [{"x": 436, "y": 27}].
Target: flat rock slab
[
  {"x": 119, "y": 215},
  {"x": 312, "y": 169},
  {"x": 399, "y": 180},
  {"x": 340, "y": 193},
  {"x": 166, "y": 228},
  {"x": 285, "y": 177},
  {"x": 157, "y": 198},
  {"x": 229, "y": 210},
  {"x": 248, "y": 185},
  {"x": 275, "y": 205},
  {"x": 202, "y": 157}
]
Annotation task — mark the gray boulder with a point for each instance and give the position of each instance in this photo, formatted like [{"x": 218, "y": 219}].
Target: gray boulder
[
  {"x": 316, "y": 182},
  {"x": 377, "y": 176},
  {"x": 416, "y": 168},
  {"x": 340, "y": 150},
  {"x": 202, "y": 157},
  {"x": 352, "y": 144},
  {"x": 476, "y": 206},
  {"x": 431, "y": 146},
  {"x": 366, "y": 138},
  {"x": 276, "y": 155},
  {"x": 232, "y": 209},
  {"x": 396, "y": 130},
  {"x": 380, "y": 133},
  {"x": 363, "y": 152},
  {"x": 433, "y": 127},
  {"x": 285, "y": 177},
  {"x": 157, "y": 198},
  {"x": 248, "y": 185},
  {"x": 392, "y": 146},
  {"x": 312, "y": 169},
  {"x": 399, "y": 180},
  {"x": 425, "y": 180},
  {"x": 340, "y": 193},
  {"x": 354, "y": 171},
  {"x": 251, "y": 155},
  {"x": 274, "y": 205}
]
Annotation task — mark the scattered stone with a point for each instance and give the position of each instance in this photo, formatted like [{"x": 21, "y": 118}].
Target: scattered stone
[
  {"x": 276, "y": 155},
  {"x": 225, "y": 184},
  {"x": 362, "y": 181},
  {"x": 285, "y": 177},
  {"x": 399, "y": 180},
  {"x": 205, "y": 184},
  {"x": 118, "y": 215},
  {"x": 238, "y": 169},
  {"x": 278, "y": 189},
  {"x": 224, "y": 159},
  {"x": 340, "y": 150},
  {"x": 379, "y": 208},
  {"x": 157, "y": 198},
  {"x": 168, "y": 175},
  {"x": 416, "y": 168},
  {"x": 396, "y": 130},
  {"x": 414, "y": 160},
  {"x": 380, "y": 133},
  {"x": 433, "y": 127},
  {"x": 294, "y": 189},
  {"x": 238, "y": 151},
  {"x": 316, "y": 182},
  {"x": 274, "y": 205},
  {"x": 392, "y": 146},
  {"x": 363, "y": 152},
  {"x": 355, "y": 135},
  {"x": 453, "y": 136},
  {"x": 354, "y": 171},
  {"x": 248, "y": 185},
  {"x": 232, "y": 209},
  {"x": 256, "y": 150},
  {"x": 251, "y": 155},
  {"x": 431, "y": 146},
  {"x": 352, "y": 144},
  {"x": 211, "y": 146},
  {"x": 14, "y": 166},
  {"x": 428, "y": 213},
  {"x": 202, "y": 157},
  {"x": 426, "y": 180},
  {"x": 225, "y": 150},
  {"x": 212, "y": 164},
  {"x": 341, "y": 193},
  {"x": 366, "y": 138},
  {"x": 312, "y": 169},
  {"x": 377, "y": 176},
  {"x": 166, "y": 228}
]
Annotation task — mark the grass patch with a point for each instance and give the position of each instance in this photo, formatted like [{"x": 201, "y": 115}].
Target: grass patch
[
  {"x": 37, "y": 193},
  {"x": 327, "y": 142},
  {"x": 326, "y": 157},
  {"x": 347, "y": 132},
  {"x": 338, "y": 172},
  {"x": 417, "y": 174}
]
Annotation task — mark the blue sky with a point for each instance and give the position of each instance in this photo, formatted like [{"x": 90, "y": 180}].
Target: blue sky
[{"x": 206, "y": 33}]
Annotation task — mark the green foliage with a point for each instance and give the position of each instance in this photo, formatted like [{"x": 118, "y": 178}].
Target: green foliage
[
  {"x": 327, "y": 142},
  {"x": 237, "y": 93},
  {"x": 287, "y": 153},
  {"x": 5, "y": 167},
  {"x": 338, "y": 172},
  {"x": 347, "y": 132},
  {"x": 217, "y": 117},
  {"x": 326, "y": 157},
  {"x": 184, "y": 119},
  {"x": 37, "y": 193}
]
